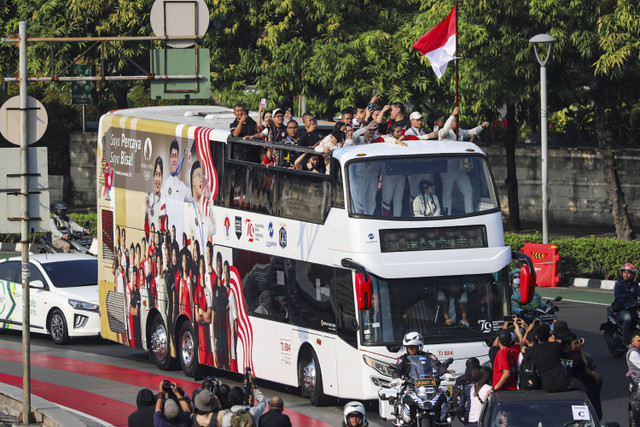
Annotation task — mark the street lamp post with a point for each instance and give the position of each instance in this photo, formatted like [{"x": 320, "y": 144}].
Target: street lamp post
[{"x": 543, "y": 39}]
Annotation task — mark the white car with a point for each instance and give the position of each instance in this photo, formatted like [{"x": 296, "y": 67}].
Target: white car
[{"x": 64, "y": 295}]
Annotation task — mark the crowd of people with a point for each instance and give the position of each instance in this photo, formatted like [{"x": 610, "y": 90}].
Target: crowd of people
[
  {"x": 212, "y": 405},
  {"x": 354, "y": 127}
]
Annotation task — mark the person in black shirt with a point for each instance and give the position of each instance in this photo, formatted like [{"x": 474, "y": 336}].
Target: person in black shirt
[
  {"x": 275, "y": 132},
  {"x": 274, "y": 416},
  {"x": 309, "y": 136},
  {"x": 146, "y": 404},
  {"x": 397, "y": 117},
  {"x": 546, "y": 356},
  {"x": 244, "y": 127}
]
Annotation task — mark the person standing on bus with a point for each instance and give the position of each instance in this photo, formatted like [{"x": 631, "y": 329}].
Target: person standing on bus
[
  {"x": 154, "y": 204},
  {"x": 309, "y": 136},
  {"x": 396, "y": 118},
  {"x": 174, "y": 192},
  {"x": 233, "y": 317},
  {"x": 220, "y": 317},
  {"x": 199, "y": 220},
  {"x": 203, "y": 313},
  {"x": 393, "y": 185}
]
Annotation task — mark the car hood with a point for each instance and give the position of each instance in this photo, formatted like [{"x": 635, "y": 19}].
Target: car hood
[{"x": 80, "y": 293}]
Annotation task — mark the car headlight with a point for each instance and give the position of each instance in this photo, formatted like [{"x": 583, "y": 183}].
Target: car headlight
[
  {"x": 82, "y": 305},
  {"x": 382, "y": 367}
]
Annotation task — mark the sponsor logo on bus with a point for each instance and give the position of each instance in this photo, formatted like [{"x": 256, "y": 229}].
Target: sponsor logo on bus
[
  {"x": 258, "y": 232},
  {"x": 227, "y": 227},
  {"x": 282, "y": 235},
  {"x": 271, "y": 230},
  {"x": 238, "y": 227},
  {"x": 148, "y": 149},
  {"x": 250, "y": 230},
  {"x": 371, "y": 238}
]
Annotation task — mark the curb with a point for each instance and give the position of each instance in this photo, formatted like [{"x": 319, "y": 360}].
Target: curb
[
  {"x": 46, "y": 413},
  {"x": 579, "y": 282}
]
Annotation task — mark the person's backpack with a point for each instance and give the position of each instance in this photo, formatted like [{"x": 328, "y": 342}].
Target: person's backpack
[
  {"x": 242, "y": 418},
  {"x": 529, "y": 377}
]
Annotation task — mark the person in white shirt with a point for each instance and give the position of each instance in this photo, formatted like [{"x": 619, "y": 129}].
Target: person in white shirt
[
  {"x": 174, "y": 192},
  {"x": 427, "y": 203},
  {"x": 155, "y": 208},
  {"x": 198, "y": 223},
  {"x": 457, "y": 170},
  {"x": 393, "y": 185},
  {"x": 479, "y": 393}
]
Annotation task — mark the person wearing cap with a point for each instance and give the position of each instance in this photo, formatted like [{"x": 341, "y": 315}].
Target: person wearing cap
[
  {"x": 206, "y": 406},
  {"x": 417, "y": 131},
  {"x": 626, "y": 292},
  {"x": 276, "y": 131},
  {"x": 505, "y": 365},
  {"x": 168, "y": 413},
  {"x": 274, "y": 416},
  {"x": 427, "y": 203},
  {"x": 143, "y": 415}
]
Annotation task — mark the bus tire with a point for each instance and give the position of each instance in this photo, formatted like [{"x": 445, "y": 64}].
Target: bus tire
[
  {"x": 188, "y": 350},
  {"x": 310, "y": 378},
  {"x": 160, "y": 345}
]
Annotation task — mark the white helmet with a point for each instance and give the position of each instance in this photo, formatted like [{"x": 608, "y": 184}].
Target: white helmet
[
  {"x": 353, "y": 407},
  {"x": 412, "y": 338}
]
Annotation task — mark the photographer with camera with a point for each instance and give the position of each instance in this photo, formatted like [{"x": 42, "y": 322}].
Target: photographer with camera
[
  {"x": 168, "y": 413},
  {"x": 241, "y": 412}
]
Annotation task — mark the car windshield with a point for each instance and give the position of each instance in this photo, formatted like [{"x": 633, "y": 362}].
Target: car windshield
[
  {"x": 547, "y": 413},
  {"x": 69, "y": 274},
  {"x": 448, "y": 308},
  {"x": 421, "y": 187}
]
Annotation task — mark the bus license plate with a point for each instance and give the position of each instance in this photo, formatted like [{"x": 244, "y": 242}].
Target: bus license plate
[{"x": 425, "y": 382}]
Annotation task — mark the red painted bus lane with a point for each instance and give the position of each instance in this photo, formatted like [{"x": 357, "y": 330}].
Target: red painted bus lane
[{"x": 104, "y": 406}]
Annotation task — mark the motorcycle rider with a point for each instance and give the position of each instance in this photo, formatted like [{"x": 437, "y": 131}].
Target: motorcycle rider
[
  {"x": 626, "y": 292},
  {"x": 413, "y": 343},
  {"x": 354, "y": 415},
  {"x": 62, "y": 227},
  {"x": 517, "y": 307}
]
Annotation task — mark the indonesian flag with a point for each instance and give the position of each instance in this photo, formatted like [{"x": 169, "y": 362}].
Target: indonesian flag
[{"x": 439, "y": 44}]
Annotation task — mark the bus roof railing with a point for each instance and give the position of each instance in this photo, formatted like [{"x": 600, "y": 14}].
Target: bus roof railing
[{"x": 279, "y": 146}]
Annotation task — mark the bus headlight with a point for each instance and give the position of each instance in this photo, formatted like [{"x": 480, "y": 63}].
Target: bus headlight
[
  {"x": 382, "y": 367},
  {"x": 82, "y": 305}
]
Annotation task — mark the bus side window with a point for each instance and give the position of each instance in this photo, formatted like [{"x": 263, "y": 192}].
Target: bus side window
[{"x": 310, "y": 295}]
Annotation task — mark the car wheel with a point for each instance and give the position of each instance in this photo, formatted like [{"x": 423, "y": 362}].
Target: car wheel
[
  {"x": 310, "y": 378},
  {"x": 160, "y": 345},
  {"x": 188, "y": 350},
  {"x": 58, "y": 327}
]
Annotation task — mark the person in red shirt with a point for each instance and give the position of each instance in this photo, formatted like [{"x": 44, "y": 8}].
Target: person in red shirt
[
  {"x": 185, "y": 289},
  {"x": 505, "y": 365},
  {"x": 203, "y": 312}
]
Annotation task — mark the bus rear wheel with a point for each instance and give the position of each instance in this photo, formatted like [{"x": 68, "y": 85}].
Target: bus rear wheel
[
  {"x": 188, "y": 350},
  {"x": 310, "y": 378},
  {"x": 160, "y": 345}
]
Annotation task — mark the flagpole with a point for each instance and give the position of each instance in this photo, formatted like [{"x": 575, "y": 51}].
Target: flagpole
[{"x": 456, "y": 60}]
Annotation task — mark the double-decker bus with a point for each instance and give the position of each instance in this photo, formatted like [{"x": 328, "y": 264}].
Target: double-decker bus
[{"x": 208, "y": 257}]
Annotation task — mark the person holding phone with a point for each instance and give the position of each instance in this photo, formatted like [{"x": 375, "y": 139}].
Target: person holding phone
[{"x": 309, "y": 136}]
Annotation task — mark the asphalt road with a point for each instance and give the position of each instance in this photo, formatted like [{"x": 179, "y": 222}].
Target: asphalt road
[{"x": 583, "y": 318}]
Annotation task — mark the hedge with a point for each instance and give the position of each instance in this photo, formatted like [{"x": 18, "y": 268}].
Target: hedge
[
  {"x": 591, "y": 257},
  {"x": 89, "y": 217}
]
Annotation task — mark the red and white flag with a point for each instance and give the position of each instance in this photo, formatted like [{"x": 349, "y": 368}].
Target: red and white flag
[{"x": 439, "y": 44}]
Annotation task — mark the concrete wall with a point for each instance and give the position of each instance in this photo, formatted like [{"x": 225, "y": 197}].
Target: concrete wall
[{"x": 577, "y": 190}]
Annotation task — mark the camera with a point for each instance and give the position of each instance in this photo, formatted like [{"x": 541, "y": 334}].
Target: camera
[
  {"x": 212, "y": 384},
  {"x": 166, "y": 386},
  {"x": 247, "y": 383}
]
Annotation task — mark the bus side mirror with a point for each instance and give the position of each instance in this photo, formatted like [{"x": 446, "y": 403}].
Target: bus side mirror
[
  {"x": 363, "y": 291},
  {"x": 527, "y": 284}
]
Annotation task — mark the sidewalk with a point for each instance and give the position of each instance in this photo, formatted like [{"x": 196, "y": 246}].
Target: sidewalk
[{"x": 47, "y": 414}]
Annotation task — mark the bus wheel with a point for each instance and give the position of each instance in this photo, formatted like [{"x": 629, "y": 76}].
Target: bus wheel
[
  {"x": 160, "y": 345},
  {"x": 310, "y": 378},
  {"x": 188, "y": 350}
]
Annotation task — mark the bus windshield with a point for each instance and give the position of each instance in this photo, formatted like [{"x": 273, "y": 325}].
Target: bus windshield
[
  {"x": 442, "y": 309},
  {"x": 421, "y": 186}
]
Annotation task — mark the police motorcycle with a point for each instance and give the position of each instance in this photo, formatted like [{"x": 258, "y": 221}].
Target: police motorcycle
[
  {"x": 542, "y": 314},
  {"x": 612, "y": 330},
  {"x": 414, "y": 400},
  {"x": 80, "y": 242}
]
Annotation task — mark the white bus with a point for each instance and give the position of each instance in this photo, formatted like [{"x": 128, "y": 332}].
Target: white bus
[{"x": 303, "y": 277}]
